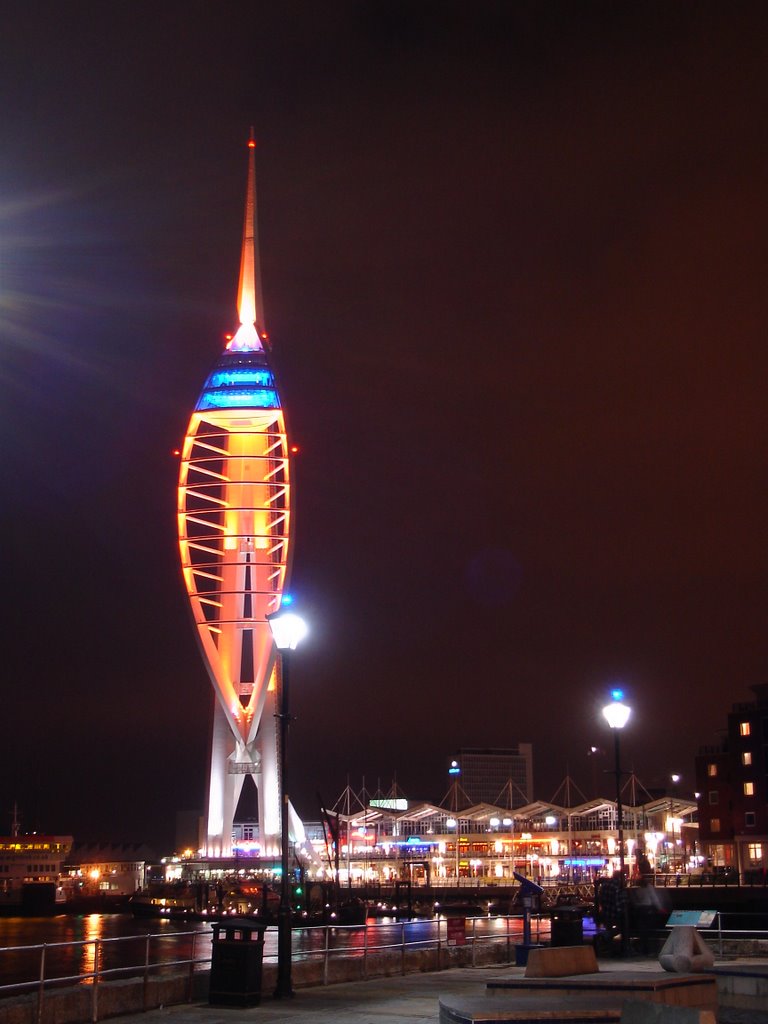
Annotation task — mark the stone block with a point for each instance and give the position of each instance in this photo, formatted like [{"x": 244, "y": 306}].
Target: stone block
[{"x": 560, "y": 961}]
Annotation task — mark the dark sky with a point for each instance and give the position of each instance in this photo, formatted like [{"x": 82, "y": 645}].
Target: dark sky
[{"x": 513, "y": 259}]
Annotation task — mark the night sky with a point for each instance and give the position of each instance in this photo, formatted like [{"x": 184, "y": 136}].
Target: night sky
[{"x": 513, "y": 259}]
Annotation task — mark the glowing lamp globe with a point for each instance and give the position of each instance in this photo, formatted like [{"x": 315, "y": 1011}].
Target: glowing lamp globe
[
  {"x": 288, "y": 629},
  {"x": 617, "y": 712}
]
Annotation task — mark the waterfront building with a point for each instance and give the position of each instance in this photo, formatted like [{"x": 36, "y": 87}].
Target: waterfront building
[
  {"x": 235, "y": 528},
  {"x": 30, "y": 869},
  {"x": 732, "y": 791},
  {"x": 486, "y": 844},
  {"x": 500, "y": 775},
  {"x": 31, "y": 858},
  {"x": 106, "y": 869}
]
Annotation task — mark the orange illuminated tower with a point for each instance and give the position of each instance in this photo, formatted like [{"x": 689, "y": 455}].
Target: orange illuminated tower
[{"x": 234, "y": 520}]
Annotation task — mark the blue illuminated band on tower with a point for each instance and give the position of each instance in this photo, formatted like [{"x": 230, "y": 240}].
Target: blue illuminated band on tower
[{"x": 249, "y": 384}]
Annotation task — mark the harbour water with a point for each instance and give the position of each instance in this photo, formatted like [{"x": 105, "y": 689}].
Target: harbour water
[{"x": 94, "y": 935}]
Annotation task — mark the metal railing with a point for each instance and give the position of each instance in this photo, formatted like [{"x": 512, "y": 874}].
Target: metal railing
[
  {"x": 363, "y": 943},
  {"x": 185, "y": 952},
  {"x": 93, "y": 952},
  {"x": 706, "y": 880},
  {"x": 50, "y": 965},
  {"x": 733, "y": 939}
]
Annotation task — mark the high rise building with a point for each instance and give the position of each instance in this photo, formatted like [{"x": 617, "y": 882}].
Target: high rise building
[
  {"x": 497, "y": 775},
  {"x": 732, "y": 791},
  {"x": 234, "y": 522}
]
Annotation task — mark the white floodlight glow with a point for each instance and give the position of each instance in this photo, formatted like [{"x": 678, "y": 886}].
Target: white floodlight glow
[
  {"x": 617, "y": 712},
  {"x": 288, "y": 630}
]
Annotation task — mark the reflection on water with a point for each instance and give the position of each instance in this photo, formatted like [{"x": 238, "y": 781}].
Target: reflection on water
[
  {"x": 95, "y": 935},
  {"x": 90, "y": 949},
  {"x": 92, "y": 934}
]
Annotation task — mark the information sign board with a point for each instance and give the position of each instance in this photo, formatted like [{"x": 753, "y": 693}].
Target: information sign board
[
  {"x": 456, "y": 933},
  {"x": 691, "y": 918}
]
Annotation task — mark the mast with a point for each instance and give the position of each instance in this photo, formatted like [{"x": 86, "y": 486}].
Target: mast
[{"x": 249, "y": 334}]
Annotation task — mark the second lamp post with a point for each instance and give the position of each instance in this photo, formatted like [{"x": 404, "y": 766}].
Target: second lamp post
[{"x": 288, "y": 630}]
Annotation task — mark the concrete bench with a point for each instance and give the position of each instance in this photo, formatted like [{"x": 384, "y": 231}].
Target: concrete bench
[
  {"x": 634, "y": 1012},
  {"x": 613, "y": 997},
  {"x": 528, "y": 1010},
  {"x": 694, "y": 990},
  {"x": 561, "y": 961}
]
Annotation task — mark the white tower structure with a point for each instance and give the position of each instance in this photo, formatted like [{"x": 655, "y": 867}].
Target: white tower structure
[{"x": 234, "y": 521}]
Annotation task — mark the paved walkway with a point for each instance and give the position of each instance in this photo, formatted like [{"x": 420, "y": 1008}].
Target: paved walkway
[{"x": 398, "y": 1000}]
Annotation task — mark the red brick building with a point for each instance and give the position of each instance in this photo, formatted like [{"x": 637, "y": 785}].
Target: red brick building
[{"x": 732, "y": 785}]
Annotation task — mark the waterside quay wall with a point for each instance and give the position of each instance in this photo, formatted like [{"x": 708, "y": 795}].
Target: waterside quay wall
[{"x": 80, "y": 1004}]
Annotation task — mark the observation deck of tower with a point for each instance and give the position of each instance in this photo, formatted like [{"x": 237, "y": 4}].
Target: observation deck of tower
[{"x": 235, "y": 536}]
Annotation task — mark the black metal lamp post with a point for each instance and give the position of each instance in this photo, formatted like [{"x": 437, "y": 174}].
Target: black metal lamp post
[
  {"x": 288, "y": 630},
  {"x": 674, "y": 778},
  {"x": 617, "y": 715}
]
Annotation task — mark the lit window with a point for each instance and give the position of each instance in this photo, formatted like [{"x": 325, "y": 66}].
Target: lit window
[
  {"x": 712, "y": 770},
  {"x": 755, "y": 852},
  {"x": 714, "y": 825},
  {"x": 749, "y": 789},
  {"x": 749, "y": 819},
  {"x": 744, "y": 729},
  {"x": 713, "y": 797},
  {"x": 746, "y": 757}
]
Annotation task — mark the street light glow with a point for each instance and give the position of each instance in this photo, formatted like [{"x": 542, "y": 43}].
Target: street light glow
[
  {"x": 617, "y": 712},
  {"x": 288, "y": 629}
]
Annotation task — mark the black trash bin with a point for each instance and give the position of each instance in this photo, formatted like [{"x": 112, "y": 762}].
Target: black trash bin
[
  {"x": 237, "y": 951},
  {"x": 567, "y": 927}
]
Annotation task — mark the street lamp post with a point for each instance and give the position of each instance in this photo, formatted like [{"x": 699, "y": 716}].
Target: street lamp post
[
  {"x": 616, "y": 715},
  {"x": 288, "y": 630},
  {"x": 450, "y": 822},
  {"x": 674, "y": 778}
]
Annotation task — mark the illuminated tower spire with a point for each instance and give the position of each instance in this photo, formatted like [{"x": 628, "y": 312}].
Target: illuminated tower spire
[
  {"x": 234, "y": 520},
  {"x": 249, "y": 303}
]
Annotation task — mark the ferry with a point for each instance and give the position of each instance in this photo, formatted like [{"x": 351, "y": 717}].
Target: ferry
[{"x": 30, "y": 871}]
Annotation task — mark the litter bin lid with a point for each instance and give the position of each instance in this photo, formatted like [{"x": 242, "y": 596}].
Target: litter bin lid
[{"x": 240, "y": 924}]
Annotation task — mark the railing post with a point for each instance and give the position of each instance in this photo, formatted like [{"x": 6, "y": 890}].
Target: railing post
[
  {"x": 439, "y": 945},
  {"x": 474, "y": 939},
  {"x": 508, "y": 945},
  {"x": 192, "y": 967},
  {"x": 720, "y": 932},
  {"x": 95, "y": 1001},
  {"x": 41, "y": 991},
  {"x": 365, "y": 951},
  {"x": 327, "y": 953},
  {"x": 402, "y": 947},
  {"x": 146, "y": 973}
]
